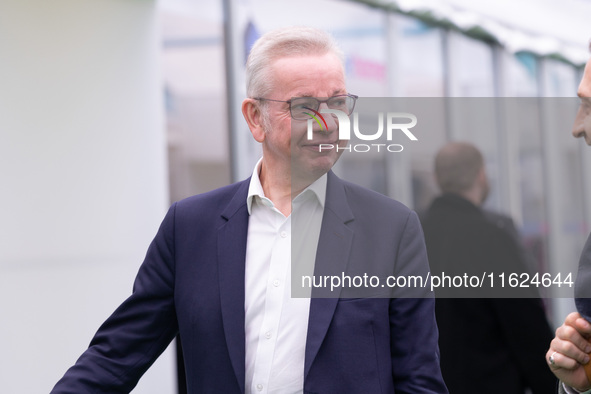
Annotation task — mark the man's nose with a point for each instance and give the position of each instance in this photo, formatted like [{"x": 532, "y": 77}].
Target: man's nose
[
  {"x": 579, "y": 125},
  {"x": 332, "y": 124}
]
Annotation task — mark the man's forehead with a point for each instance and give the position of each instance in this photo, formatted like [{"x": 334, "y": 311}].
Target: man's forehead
[
  {"x": 312, "y": 58},
  {"x": 335, "y": 92},
  {"x": 315, "y": 75}
]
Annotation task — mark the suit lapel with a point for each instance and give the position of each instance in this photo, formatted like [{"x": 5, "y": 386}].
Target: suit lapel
[
  {"x": 231, "y": 257},
  {"x": 334, "y": 245}
]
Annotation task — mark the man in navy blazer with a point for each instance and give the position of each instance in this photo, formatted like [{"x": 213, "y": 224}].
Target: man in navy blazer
[{"x": 196, "y": 277}]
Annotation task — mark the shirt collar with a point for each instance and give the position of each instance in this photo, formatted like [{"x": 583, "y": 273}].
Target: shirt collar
[{"x": 255, "y": 189}]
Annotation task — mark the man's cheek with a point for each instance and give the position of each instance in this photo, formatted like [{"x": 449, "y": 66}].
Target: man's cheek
[
  {"x": 587, "y": 127},
  {"x": 298, "y": 131},
  {"x": 343, "y": 143}
]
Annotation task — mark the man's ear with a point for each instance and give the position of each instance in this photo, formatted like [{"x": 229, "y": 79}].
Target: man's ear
[
  {"x": 253, "y": 116},
  {"x": 481, "y": 174}
]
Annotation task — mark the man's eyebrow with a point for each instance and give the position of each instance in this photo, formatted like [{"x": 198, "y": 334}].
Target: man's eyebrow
[{"x": 336, "y": 92}]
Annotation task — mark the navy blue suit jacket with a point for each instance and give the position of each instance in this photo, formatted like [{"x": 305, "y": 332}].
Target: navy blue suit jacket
[
  {"x": 583, "y": 283},
  {"x": 192, "y": 282}
]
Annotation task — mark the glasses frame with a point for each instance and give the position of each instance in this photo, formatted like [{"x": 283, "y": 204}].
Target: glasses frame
[{"x": 349, "y": 95}]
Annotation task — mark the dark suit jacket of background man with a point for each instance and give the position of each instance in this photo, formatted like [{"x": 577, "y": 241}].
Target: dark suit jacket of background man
[
  {"x": 487, "y": 345},
  {"x": 192, "y": 282}
]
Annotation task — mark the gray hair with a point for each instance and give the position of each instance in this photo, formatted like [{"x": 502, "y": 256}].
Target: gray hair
[
  {"x": 284, "y": 42},
  {"x": 457, "y": 165}
]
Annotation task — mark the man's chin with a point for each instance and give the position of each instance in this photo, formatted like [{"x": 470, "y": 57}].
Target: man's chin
[{"x": 309, "y": 170}]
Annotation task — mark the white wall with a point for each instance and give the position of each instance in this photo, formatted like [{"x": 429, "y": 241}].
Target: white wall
[{"x": 83, "y": 184}]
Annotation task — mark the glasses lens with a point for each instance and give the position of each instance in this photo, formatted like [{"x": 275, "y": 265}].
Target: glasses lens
[
  {"x": 342, "y": 103},
  {"x": 302, "y": 108}
]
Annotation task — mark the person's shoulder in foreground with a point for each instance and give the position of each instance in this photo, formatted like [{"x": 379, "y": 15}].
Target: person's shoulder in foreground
[{"x": 568, "y": 354}]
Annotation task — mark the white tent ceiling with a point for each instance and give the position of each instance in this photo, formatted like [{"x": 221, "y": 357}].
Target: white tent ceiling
[{"x": 560, "y": 28}]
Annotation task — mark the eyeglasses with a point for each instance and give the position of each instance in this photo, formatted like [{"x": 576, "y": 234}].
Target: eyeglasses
[{"x": 303, "y": 108}]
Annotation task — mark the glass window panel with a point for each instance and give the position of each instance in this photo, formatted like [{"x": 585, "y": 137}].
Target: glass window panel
[
  {"x": 193, "y": 70},
  {"x": 522, "y": 74},
  {"x": 419, "y": 58},
  {"x": 472, "y": 67}
]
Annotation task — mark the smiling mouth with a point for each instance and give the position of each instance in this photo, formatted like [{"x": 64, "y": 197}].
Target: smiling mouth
[{"x": 316, "y": 144}]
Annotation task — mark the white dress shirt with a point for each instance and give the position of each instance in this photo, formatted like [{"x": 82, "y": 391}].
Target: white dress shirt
[
  {"x": 571, "y": 390},
  {"x": 275, "y": 323}
]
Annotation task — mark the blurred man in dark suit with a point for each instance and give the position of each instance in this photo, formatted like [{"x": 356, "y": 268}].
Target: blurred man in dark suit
[{"x": 503, "y": 355}]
